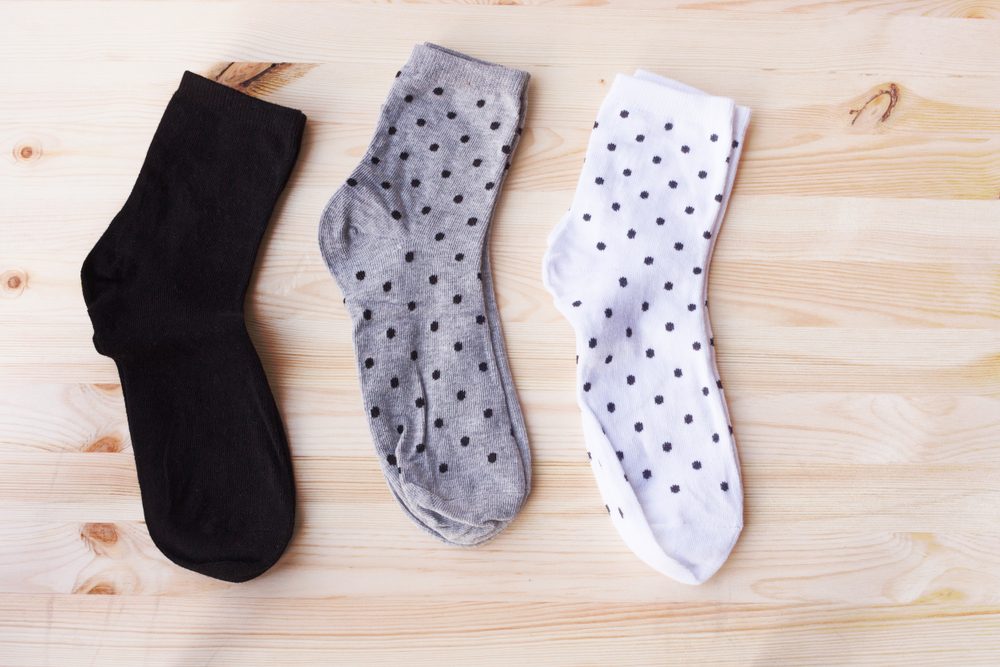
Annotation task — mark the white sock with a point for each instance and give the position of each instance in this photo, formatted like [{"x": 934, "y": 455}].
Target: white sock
[{"x": 627, "y": 266}]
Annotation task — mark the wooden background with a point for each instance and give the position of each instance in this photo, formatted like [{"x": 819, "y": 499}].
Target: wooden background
[{"x": 856, "y": 304}]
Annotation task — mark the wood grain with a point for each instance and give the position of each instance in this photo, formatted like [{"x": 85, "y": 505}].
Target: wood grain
[{"x": 855, "y": 300}]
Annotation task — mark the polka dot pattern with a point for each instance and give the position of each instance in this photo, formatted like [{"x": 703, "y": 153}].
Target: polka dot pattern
[
  {"x": 633, "y": 253},
  {"x": 444, "y": 420}
]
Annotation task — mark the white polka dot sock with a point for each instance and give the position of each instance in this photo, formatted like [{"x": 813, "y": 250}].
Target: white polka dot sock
[{"x": 627, "y": 266}]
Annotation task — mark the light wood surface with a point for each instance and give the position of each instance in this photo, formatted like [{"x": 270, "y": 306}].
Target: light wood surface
[{"x": 855, "y": 299}]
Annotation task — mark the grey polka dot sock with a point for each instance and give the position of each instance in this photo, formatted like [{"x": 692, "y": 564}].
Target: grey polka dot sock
[{"x": 405, "y": 239}]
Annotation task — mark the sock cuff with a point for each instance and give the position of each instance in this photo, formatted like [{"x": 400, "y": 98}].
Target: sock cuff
[
  {"x": 654, "y": 97},
  {"x": 240, "y": 106},
  {"x": 451, "y": 67}
]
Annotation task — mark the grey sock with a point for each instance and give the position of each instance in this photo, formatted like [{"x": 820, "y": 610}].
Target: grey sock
[{"x": 404, "y": 237}]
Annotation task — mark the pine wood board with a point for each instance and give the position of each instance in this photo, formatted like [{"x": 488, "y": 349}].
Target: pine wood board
[{"x": 855, "y": 300}]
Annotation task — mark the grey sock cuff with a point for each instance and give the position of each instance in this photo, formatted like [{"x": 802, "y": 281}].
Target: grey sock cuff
[{"x": 457, "y": 69}]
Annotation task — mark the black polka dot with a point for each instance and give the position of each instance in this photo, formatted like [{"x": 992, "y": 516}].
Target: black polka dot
[
  {"x": 400, "y": 428},
  {"x": 434, "y": 326},
  {"x": 592, "y": 343},
  {"x": 668, "y": 126},
  {"x": 490, "y": 185},
  {"x": 675, "y": 489},
  {"x": 439, "y": 236},
  {"x": 688, "y": 419},
  {"x": 457, "y": 199},
  {"x": 696, "y": 270},
  {"x": 411, "y": 306},
  {"x": 396, "y": 215},
  {"x": 678, "y": 372},
  {"x": 650, "y": 353},
  {"x": 678, "y": 246},
  {"x": 360, "y": 275},
  {"x": 692, "y": 307},
  {"x": 392, "y": 130},
  {"x": 369, "y": 362},
  {"x": 612, "y": 147},
  {"x": 472, "y": 222},
  {"x": 707, "y": 235},
  {"x": 696, "y": 465},
  {"x": 457, "y": 299},
  {"x": 480, "y": 319},
  {"x": 481, "y": 103},
  {"x": 459, "y": 256},
  {"x": 421, "y": 447},
  {"x": 375, "y": 412},
  {"x": 640, "y": 138},
  {"x": 696, "y": 346},
  {"x": 436, "y": 375},
  {"x": 586, "y": 217},
  {"x": 702, "y": 174},
  {"x": 419, "y": 402},
  {"x": 668, "y": 285},
  {"x": 601, "y": 245},
  {"x": 724, "y": 486},
  {"x": 390, "y": 333},
  {"x": 394, "y": 382},
  {"x": 483, "y": 366},
  {"x": 408, "y": 99},
  {"x": 715, "y": 437},
  {"x": 638, "y": 427},
  {"x": 586, "y": 386},
  {"x": 438, "y": 423},
  {"x": 608, "y": 359},
  {"x": 487, "y": 413},
  {"x": 413, "y": 355},
  {"x": 718, "y": 198},
  {"x": 495, "y": 125},
  {"x": 621, "y": 455},
  {"x": 367, "y": 314},
  {"x": 458, "y": 346},
  {"x": 660, "y": 221},
  {"x": 644, "y": 195},
  {"x": 630, "y": 233},
  {"x": 685, "y": 149},
  {"x": 415, "y": 183},
  {"x": 608, "y": 312},
  {"x": 421, "y": 122},
  {"x": 611, "y": 407},
  {"x": 669, "y": 326},
  {"x": 714, "y": 137},
  {"x": 616, "y": 206},
  {"x": 391, "y": 459},
  {"x": 630, "y": 380},
  {"x": 351, "y": 182},
  {"x": 648, "y": 261},
  {"x": 667, "y": 446},
  {"x": 626, "y": 172},
  {"x": 443, "y": 468},
  {"x": 623, "y": 281},
  {"x": 434, "y": 147},
  {"x": 438, "y": 91},
  {"x": 657, "y": 159},
  {"x": 704, "y": 391},
  {"x": 689, "y": 209},
  {"x": 464, "y": 441},
  {"x": 492, "y": 457},
  {"x": 433, "y": 280},
  {"x": 658, "y": 399}
]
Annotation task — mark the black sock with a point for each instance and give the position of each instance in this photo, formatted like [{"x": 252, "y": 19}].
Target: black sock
[{"x": 164, "y": 287}]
